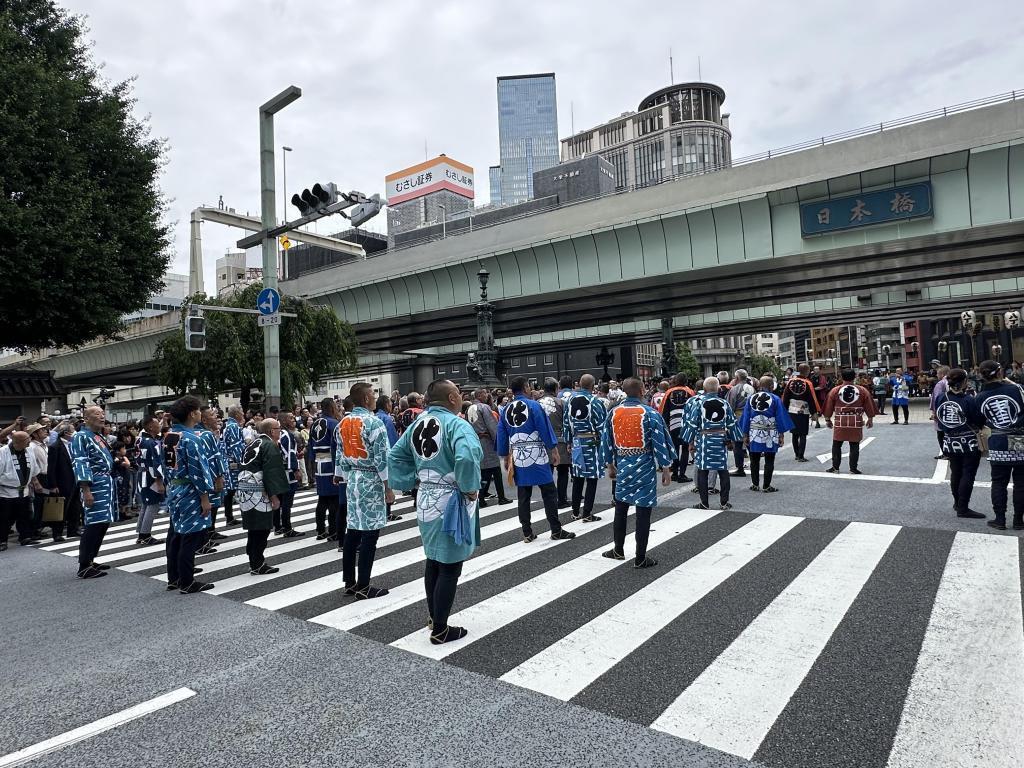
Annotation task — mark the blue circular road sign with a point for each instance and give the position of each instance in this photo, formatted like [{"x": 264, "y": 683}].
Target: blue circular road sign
[{"x": 268, "y": 302}]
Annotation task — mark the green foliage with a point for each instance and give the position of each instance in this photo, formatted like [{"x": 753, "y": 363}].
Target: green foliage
[
  {"x": 313, "y": 345},
  {"x": 760, "y": 365},
  {"x": 82, "y": 233},
  {"x": 685, "y": 361}
]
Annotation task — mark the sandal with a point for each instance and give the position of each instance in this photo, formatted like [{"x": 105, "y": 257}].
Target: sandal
[
  {"x": 447, "y": 635},
  {"x": 611, "y": 554},
  {"x": 369, "y": 592},
  {"x": 647, "y": 562}
]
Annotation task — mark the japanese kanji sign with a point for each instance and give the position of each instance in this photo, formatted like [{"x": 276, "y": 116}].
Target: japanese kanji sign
[{"x": 880, "y": 206}]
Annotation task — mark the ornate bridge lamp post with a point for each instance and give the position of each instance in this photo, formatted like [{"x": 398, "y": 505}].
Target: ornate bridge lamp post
[
  {"x": 997, "y": 352},
  {"x": 669, "y": 362},
  {"x": 605, "y": 358},
  {"x": 886, "y": 349},
  {"x": 944, "y": 348},
  {"x": 481, "y": 363}
]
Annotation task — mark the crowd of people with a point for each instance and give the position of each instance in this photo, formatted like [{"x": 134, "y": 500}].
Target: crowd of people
[{"x": 454, "y": 452}]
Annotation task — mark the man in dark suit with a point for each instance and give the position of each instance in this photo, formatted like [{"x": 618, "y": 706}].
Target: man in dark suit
[{"x": 61, "y": 479}]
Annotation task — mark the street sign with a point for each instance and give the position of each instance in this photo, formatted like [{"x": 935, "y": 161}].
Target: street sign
[
  {"x": 285, "y": 242},
  {"x": 268, "y": 302},
  {"x": 274, "y": 319}
]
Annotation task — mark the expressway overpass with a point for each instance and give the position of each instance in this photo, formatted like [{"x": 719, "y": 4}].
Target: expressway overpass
[{"x": 721, "y": 252}]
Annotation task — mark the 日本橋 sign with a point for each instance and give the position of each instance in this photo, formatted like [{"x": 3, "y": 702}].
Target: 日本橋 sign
[{"x": 880, "y": 206}]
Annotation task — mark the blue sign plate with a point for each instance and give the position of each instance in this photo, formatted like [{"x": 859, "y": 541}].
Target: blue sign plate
[
  {"x": 268, "y": 302},
  {"x": 882, "y": 206}
]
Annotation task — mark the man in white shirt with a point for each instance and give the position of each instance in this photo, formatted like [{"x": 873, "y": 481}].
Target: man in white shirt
[{"x": 17, "y": 478}]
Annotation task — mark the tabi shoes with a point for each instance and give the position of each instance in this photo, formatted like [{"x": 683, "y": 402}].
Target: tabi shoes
[
  {"x": 563, "y": 535},
  {"x": 263, "y": 570},
  {"x": 971, "y": 514},
  {"x": 447, "y": 635},
  {"x": 196, "y": 586},
  {"x": 92, "y": 572},
  {"x": 647, "y": 562}
]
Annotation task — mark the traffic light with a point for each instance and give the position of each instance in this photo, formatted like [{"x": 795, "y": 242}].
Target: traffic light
[
  {"x": 316, "y": 199},
  {"x": 195, "y": 331},
  {"x": 365, "y": 211}
]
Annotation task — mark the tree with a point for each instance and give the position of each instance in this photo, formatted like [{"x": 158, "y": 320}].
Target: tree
[
  {"x": 82, "y": 233},
  {"x": 686, "y": 362},
  {"x": 314, "y": 344},
  {"x": 761, "y": 364}
]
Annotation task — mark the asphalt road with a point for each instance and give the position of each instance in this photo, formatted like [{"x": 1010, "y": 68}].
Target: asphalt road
[{"x": 844, "y": 621}]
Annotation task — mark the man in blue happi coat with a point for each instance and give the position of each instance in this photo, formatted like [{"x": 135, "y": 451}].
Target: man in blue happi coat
[
  {"x": 152, "y": 488},
  {"x": 636, "y": 445},
  {"x": 232, "y": 446},
  {"x": 764, "y": 423},
  {"x": 582, "y": 425},
  {"x": 206, "y": 429},
  {"x": 710, "y": 431},
  {"x": 93, "y": 463},
  {"x": 528, "y": 444},
  {"x": 323, "y": 443}
]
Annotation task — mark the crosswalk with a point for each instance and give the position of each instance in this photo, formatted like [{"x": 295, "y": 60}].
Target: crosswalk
[{"x": 789, "y": 641}]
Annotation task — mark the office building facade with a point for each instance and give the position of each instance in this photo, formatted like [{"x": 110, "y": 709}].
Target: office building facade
[
  {"x": 677, "y": 131},
  {"x": 527, "y": 135}
]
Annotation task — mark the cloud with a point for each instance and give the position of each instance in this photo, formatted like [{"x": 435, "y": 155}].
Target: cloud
[{"x": 381, "y": 79}]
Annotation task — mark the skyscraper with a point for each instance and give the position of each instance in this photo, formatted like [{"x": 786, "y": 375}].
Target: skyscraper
[{"x": 527, "y": 134}]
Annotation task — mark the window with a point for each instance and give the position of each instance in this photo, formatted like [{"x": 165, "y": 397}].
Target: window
[
  {"x": 549, "y": 359},
  {"x": 440, "y": 371},
  {"x": 455, "y": 368},
  {"x": 514, "y": 362},
  {"x": 531, "y": 361}
]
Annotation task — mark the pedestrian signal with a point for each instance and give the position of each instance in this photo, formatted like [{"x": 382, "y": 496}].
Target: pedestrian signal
[{"x": 195, "y": 331}]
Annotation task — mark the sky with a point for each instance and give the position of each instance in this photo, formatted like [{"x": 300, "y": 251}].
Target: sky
[{"x": 380, "y": 80}]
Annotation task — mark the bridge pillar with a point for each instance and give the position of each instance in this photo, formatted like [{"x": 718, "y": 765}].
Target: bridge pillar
[
  {"x": 669, "y": 363},
  {"x": 422, "y": 372}
]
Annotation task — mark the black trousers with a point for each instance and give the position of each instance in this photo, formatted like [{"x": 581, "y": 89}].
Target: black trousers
[
  {"x": 229, "y": 505},
  {"x": 563, "y": 484},
  {"x": 739, "y": 453},
  {"x": 643, "y": 528},
  {"x": 181, "y": 555},
  {"x": 837, "y": 454},
  {"x": 682, "y": 460},
  {"x": 360, "y": 546},
  {"x": 256, "y": 547},
  {"x": 755, "y": 467},
  {"x": 328, "y": 509},
  {"x": 486, "y": 476},
  {"x": 880, "y": 399},
  {"x": 723, "y": 482},
  {"x": 1001, "y": 475},
  {"x": 942, "y": 441},
  {"x": 801, "y": 425},
  {"x": 283, "y": 514},
  {"x": 896, "y": 415},
  {"x": 73, "y": 511},
  {"x": 963, "y": 468},
  {"x": 441, "y": 581},
  {"x": 90, "y": 543},
  {"x": 550, "y": 496},
  {"x": 578, "y": 497},
  {"x": 17, "y": 512}
]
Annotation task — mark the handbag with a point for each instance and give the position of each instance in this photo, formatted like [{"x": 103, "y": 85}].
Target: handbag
[
  {"x": 253, "y": 502},
  {"x": 53, "y": 509}
]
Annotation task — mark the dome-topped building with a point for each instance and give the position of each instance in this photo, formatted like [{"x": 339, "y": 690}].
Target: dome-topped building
[{"x": 677, "y": 131}]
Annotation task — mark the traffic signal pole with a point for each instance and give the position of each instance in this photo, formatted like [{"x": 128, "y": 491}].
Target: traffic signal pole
[{"x": 271, "y": 333}]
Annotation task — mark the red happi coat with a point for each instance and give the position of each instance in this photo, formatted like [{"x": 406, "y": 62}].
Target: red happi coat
[{"x": 847, "y": 406}]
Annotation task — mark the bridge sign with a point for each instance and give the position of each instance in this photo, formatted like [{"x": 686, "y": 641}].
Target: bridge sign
[{"x": 268, "y": 302}]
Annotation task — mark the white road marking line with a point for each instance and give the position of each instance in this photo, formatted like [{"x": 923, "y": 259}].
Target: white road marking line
[
  {"x": 732, "y": 705},
  {"x": 939, "y": 475},
  {"x": 84, "y": 732},
  {"x": 383, "y": 565},
  {"x": 307, "y": 590},
  {"x": 356, "y": 613},
  {"x": 827, "y": 457},
  {"x": 843, "y": 476},
  {"x": 502, "y": 609},
  {"x": 566, "y": 667},
  {"x": 965, "y": 698}
]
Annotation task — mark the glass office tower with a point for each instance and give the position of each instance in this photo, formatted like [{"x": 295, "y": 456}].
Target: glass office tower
[{"x": 527, "y": 132}]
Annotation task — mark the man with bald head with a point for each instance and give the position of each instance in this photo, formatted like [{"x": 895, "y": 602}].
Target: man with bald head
[
  {"x": 232, "y": 447},
  {"x": 582, "y": 425},
  {"x": 710, "y": 431},
  {"x": 18, "y": 472},
  {"x": 93, "y": 463},
  {"x": 763, "y": 424}
]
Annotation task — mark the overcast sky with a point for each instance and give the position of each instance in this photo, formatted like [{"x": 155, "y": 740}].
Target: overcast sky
[{"x": 380, "y": 79}]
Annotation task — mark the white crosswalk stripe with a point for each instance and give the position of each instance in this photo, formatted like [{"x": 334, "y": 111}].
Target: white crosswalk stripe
[{"x": 960, "y": 700}]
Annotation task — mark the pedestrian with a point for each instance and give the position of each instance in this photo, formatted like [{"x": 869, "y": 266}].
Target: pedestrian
[
  {"x": 554, "y": 406},
  {"x": 673, "y": 412},
  {"x": 956, "y": 413},
  {"x": 821, "y": 389},
  {"x": 900, "y": 383},
  {"x": 383, "y": 412},
  {"x": 880, "y": 388},
  {"x": 37, "y": 434},
  {"x": 739, "y": 392},
  {"x": 801, "y": 403},
  {"x": 206, "y": 429},
  {"x": 232, "y": 446},
  {"x": 288, "y": 443},
  {"x": 711, "y": 431},
  {"x": 412, "y": 411},
  {"x": 853, "y": 409},
  {"x": 93, "y": 464},
  {"x": 484, "y": 423},
  {"x": 190, "y": 484},
  {"x": 763, "y": 424},
  {"x": 1001, "y": 408},
  {"x": 582, "y": 428},
  {"x": 262, "y": 479},
  {"x": 363, "y": 463},
  {"x": 61, "y": 480},
  {"x": 123, "y": 475},
  {"x": 528, "y": 445},
  {"x": 17, "y": 476},
  {"x": 636, "y": 445},
  {"x": 152, "y": 488},
  {"x": 323, "y": 442},
  {"x": 443, "y": 455},
  {"x": 937, "y": 391}
]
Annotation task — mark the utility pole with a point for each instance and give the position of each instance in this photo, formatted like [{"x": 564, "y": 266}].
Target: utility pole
[{"x": 271, "y": 333}]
